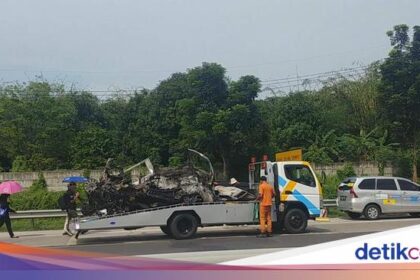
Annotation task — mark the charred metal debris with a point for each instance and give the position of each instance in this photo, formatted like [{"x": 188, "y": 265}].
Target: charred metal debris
[{"x": 142, "y": 186}]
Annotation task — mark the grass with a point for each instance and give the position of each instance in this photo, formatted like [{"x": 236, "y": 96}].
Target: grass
[
  {"x": 333, "y": 212},
  {"x": 35, "y": 224}
]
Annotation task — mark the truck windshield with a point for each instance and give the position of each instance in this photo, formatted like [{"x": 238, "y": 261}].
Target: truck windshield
[{"x": 300, "y": 173}]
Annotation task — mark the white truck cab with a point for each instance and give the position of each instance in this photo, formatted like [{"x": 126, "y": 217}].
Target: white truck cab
[{"x": 298, "y": 192}]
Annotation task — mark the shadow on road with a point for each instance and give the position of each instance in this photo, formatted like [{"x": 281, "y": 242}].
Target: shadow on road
[
  {"x": 207, "y": 233},
  {"x": 383, "y": 217}
]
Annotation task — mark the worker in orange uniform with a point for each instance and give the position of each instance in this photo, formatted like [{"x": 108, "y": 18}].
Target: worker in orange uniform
[{"x": 265, "y": 197}]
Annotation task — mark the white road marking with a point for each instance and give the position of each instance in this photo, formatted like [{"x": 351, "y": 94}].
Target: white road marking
[{"x": 213, "y": 256}]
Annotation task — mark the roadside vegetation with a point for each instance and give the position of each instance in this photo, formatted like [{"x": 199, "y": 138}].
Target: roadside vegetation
[
  {"x": 36, "y": 224},
  {"x": 371, "y": 114}
]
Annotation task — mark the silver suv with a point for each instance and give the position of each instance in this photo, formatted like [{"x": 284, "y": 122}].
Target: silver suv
[{"x": 372, "y": 196}]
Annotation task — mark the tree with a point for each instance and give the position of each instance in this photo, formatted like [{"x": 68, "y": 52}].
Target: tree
[
  {"x": 323, "y": 150},
  {"x": 356, "y": 95},
  {"x": 383, "y": 152},
  {"x": 224, "y": 122},
  {"x": 400, "y": 88},
  {"x": 293, "y": 121},
  {"x": 91, "y": 148},
  {"x": 36, "y": 124}
]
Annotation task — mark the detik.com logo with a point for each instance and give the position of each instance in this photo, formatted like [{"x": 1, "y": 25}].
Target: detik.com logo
[{"x": 393, "y": 251}]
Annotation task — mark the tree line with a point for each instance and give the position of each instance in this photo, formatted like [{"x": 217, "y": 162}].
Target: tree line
[{"x": 371, "y": 116}]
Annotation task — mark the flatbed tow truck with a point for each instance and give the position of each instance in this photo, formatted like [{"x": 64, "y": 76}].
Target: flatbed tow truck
[{"x": 298, "y": 197}]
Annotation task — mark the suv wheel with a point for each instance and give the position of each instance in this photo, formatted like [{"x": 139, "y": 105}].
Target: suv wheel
[{"x": 372, "y": 212}]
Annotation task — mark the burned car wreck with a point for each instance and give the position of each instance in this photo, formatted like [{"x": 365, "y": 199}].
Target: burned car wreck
[{"x": 142, "y": 186}]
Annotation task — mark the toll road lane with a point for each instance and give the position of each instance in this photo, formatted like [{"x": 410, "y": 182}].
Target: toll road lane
[{"x": 151, "y": 241}]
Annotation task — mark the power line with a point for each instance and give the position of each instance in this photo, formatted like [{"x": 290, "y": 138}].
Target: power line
[
  {"x": 311, "y": 81},
  {"x": 302, "y": 81},
  {"x": 280, "y": 83},
  {"x": 318, "y": 74}
]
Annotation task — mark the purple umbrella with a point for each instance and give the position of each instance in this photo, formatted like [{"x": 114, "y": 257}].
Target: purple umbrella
[{"x": 10, "y": 187}]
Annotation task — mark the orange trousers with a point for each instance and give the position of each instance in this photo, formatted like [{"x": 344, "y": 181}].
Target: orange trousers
[{"x": 265, "y": 219}]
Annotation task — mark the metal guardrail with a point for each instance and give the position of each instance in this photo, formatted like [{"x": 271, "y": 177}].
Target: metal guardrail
[
  {"x": 34, "y": 214},
  {"x": 57, "y": 213},
  {"x": 330, "y": 202}
]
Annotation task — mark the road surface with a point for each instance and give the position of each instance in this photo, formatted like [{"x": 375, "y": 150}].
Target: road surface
[{"x": 213, "y": 244}]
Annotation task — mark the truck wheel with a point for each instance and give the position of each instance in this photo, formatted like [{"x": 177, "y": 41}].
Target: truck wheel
[
  {"x": 295, "y": 221},
  {"x": 165, "y": 230},
  {"x": 183, "y": 226},
  {"x": 354, "y": 215}
]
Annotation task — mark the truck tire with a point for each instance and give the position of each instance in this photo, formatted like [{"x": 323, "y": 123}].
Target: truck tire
[
  {"x": 183, "y": 226},
  {"x": 295, "y": 221},
  {"x": 165, "y": 230}
]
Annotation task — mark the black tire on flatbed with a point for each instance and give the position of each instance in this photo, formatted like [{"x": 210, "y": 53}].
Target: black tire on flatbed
[{"x": 183, "y": 226}]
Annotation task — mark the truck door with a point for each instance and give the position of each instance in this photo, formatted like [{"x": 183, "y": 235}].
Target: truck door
[
  {"x": 277, "y": 191},
  {"x": 300, "y": 184}
]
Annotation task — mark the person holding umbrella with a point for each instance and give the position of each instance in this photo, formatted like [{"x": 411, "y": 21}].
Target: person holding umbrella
[
  {"x": 6, "y": 189},
  {"x": 69, "y": 200}
]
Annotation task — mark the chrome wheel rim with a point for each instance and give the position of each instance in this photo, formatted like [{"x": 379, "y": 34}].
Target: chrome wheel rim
[{"x": 372, "y": 212}]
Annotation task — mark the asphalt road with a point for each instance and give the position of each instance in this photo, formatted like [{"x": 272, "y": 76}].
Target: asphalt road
[
  {"x": 214, "y": 244},
  {"x": 219, "y": 240}
]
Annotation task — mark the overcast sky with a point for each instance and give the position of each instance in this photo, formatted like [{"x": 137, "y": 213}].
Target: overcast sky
[{"x": 103, "y": 44}]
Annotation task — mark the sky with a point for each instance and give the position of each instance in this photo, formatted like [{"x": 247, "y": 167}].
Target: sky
[{"x": 127, "y": 44}]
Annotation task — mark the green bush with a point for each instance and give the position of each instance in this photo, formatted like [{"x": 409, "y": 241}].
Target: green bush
[
  {"x": 39, "y": 184},
  {"x": 35, "y": 200},
  {"x": 37, "y": 197},
  {"x": 403, "y": 165},
  {"x": 329, "y": 186},
  {"x": 346, "y": 171},
  {"x": 20, "y": 164}
]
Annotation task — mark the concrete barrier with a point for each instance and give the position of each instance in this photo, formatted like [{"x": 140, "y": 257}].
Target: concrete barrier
[
  {"x": 53, "y": 178},
  {"x": 364, "y": 168}
]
